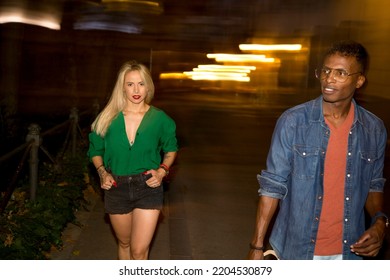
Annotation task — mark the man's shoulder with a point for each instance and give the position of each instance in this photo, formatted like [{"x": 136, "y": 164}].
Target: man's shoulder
[
  {"x": 304, "y": 108},
  {"x": 366, "y": 113},
  {"x": 368, "y": 118}
]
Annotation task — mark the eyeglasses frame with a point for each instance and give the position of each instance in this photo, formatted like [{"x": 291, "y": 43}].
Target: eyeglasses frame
[{"x": 318, "y": 75}]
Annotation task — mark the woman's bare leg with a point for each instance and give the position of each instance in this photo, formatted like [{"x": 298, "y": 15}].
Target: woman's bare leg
[
  {"x": 122, "y": 225},
  {"x": 143, "y": 227},
  {"x": 134, "y": 232}
]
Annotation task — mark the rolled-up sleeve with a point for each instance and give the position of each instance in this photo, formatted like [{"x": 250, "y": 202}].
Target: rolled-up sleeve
[
  {"x": 168, "y": 139},
  {"x": 96, "y": 145},
  {"x": 271, "y": 187},
  {"x": 378, "y": 182},
  {"x": 273, "y": 180}
]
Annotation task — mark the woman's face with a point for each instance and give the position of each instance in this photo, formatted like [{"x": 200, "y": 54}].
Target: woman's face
[{"x": 134, "y": 87}]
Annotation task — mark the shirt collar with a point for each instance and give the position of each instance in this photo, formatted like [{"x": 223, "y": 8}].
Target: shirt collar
[{"x": 316, "y": 114}]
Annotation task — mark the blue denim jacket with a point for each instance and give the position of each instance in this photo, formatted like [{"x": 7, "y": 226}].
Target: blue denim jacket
[{"x": 294, "y": 174}]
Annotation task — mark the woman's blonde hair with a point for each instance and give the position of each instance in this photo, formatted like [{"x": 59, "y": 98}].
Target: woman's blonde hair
[{"x": 118, "y": 100}]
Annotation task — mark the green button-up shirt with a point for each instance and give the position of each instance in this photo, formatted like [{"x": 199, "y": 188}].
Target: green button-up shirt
[{"x": 156, "y": 134}]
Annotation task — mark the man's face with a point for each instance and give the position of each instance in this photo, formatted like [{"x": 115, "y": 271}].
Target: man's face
[{"x": 334, "y": 90}]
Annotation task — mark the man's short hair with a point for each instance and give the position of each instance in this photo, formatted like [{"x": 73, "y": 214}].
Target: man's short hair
[{"x": 350, "y": 49}]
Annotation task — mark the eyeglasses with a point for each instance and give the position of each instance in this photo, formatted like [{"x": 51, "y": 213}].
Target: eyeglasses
[{"x": 340, "y": 75}]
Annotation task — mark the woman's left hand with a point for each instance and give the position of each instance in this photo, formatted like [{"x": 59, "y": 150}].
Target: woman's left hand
[{"x": 156, "y": 179}]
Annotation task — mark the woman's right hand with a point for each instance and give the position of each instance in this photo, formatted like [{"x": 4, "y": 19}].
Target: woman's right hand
[{"x": 106, "y": 179}]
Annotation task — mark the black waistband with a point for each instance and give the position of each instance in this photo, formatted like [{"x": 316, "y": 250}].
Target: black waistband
[{"x": 127, "y": 178}]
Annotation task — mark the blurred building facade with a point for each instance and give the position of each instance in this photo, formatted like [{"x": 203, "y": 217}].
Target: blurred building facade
[{"x": 49, "y": 69}]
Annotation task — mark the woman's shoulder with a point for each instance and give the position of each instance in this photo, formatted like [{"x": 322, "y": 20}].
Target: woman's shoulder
[
  {"x": 158, "y": 111},
  {"x": 160, "y": 114}
]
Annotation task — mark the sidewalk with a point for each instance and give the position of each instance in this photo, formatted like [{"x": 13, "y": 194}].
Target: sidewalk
[{"x": 93, "y": 238}]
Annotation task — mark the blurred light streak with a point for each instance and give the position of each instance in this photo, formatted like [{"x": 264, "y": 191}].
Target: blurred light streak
[
  {"x": 98, "y": 25},
  {"x": 214, "y": 72},
  {"x": 214, "y": 77},
  {"x": 218, "y": 76},
  {"x": 133, "y": 6},
  {"x": 176, "y": 76},
  {"x": 225, "y": 68},
  {"x": 271, "y": 47},
  {"x": 221, "y": 57},
  {"x": 146, "y": 3},
  {"x": 19, "y": 15}
]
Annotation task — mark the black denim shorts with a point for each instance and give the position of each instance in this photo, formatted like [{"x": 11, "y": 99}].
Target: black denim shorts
[{"x": 132, "y": 192}]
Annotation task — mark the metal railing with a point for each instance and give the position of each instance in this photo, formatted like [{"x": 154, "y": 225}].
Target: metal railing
[{"x": 33, "y": 145}]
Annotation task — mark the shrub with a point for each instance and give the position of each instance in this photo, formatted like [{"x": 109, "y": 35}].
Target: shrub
[{"x": 29, "y": 229}]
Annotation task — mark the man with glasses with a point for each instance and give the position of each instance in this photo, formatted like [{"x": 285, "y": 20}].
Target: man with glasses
[{"x": 325, "y": 171}]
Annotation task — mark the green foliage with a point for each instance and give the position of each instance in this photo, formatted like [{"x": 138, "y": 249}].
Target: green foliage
[{"x": 29, "y": 229}]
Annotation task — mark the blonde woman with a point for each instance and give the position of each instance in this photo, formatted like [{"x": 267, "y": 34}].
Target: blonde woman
[{"x": 127, "y": 142}]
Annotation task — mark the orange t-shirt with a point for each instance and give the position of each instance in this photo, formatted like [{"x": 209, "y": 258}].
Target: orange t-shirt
[{"x": 330, "y": 231}]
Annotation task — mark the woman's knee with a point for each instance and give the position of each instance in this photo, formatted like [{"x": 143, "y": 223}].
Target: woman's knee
[
  {"x": 139, "y": 253},
  {"x": 124, "y": 243}
]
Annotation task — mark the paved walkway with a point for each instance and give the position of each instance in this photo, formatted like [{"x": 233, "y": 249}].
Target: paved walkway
[
  {"x": 197, "y": 222},
  {"x": 93, "y": 239}
]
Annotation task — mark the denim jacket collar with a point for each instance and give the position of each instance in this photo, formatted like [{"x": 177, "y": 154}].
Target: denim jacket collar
[{"x": 317, "y": 114}]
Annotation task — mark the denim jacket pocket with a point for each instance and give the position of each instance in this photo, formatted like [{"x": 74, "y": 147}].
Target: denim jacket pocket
[
  {"x": 368, "y": 157},
  {"x": 367, "y": 161},
  {"x": 305, "y": 161}
]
